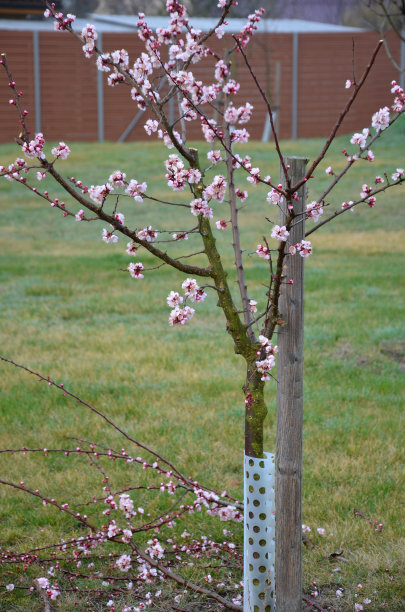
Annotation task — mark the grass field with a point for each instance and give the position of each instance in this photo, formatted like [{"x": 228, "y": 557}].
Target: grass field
[{"x": 68, "y": 311}]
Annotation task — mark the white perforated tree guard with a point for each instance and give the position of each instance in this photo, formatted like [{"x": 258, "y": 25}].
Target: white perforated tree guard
[{"x": 259, "y": 534}]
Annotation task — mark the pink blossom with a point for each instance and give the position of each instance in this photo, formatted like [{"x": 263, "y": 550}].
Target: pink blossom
[
  {"x": 80, "y": 215},
  {"x": 348, "y": 205},
  {"x": 398, "y": 174},
  {"x": 254, "y": 176},
  {"x": 174, "y": 299},
  {"x": 124, "y": 563},
  {"x": 112, "y": 529},
  {"x": 380, "y": 120},
  {"x": 242, "y": 195},
  {"x": 102, "y": 62},
  {"x": 370, "y": 155},
  {"x": 231, "y": 114},
  {"x": 109, "y": 237},
  {"x": 53, "y": 592},
  {"x": 274, "y": 197},
  {"x": 43, "y": 583},
  {"x": 179, "y": 316},
  {"x": 115, "y": 78},
  {"x": 244, "y": 113},
  {"x": 265, "y": 366},
  {"x": 136, "y": 190},
  {"x": 135, "y": 269},
  {"x": 263, "y": 251},
  {"x": 193, "y": 175},
  {"x": 142, "y": 68},
  {"x": 190, "y": 287},
  {"x": 231, "y": 87},
  {"x": 150, "y": 126},
  {"x": 305, "y": 248},
  {"x": 221, "y": 225},
  {"x": 217, "y": 189},
  {"x": 10, "y": 587},
  {"x": 180, "y": 236},
  {"x": 252, "y": 306},
  {"x": 314, "y": 210},
  {"x": 207, "y": 129},
  {"x": 131, "y": 248},
  {"x": 62, "y": 151},
  {"x": 321, "y": 531},
  {"x": 34, "y": 147},
  {"x": 126, "y": 504},
  {"x": 117, "y": 178},
  {"x": 329, "y": 170},
  {"x": 147, "y": 233},
  {"x": 89, "y": 36},
  {"x": 241, "y": 136},
  {"x": 219, "y": 32},
  {"x": 221, "y": 71},
  {"x": 348, "y": 84},
  {"x": 119, "y": 217},
  {"x": 358, "y": 607},
  {"x": 280, "y": 233},
  {"x": 200, "y": 207},
  {"x": 214, "y": 156},
  {"x": 358, "y": 139},
  {"x": 98, "y": 193}
]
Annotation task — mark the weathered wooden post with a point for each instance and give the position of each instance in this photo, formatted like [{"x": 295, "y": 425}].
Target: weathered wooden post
[{"x": 290, "y": 368}]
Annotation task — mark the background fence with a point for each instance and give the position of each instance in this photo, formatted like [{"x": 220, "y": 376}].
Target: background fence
[{"x": 305, "y": 74}]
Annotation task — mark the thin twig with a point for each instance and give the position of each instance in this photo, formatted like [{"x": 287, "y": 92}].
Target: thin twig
[
  {"x": 340, "y": 119},
  {"x": 269, "y": 111}
]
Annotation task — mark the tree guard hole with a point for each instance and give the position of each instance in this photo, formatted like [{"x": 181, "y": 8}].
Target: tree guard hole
[
  {"x": 251, "y": 515},
  {"x": 256, "y": 555},
  {"x": 256, "y": 477},
  {"x": 262, "y": 516},
  {"x": 250, "y": 567},
  {"x": 251, "y": 462},
  {"x": 262, "y": 542},
  {"x": 256, "y": 529},
  {"x": 256, "y": 502},
  {"x": 262, "y": 490},
  {"x": 251, "y": 541},
  {"x": 256, "y": 581},
  {"x": 261, "y": 463},
  {"x": 262, "y": 595},
  {"x": 251, "y": 489},
  {"x": 262, "y": 569}
]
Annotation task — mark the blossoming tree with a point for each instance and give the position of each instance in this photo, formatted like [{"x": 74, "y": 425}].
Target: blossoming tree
[{"x": 168, "y": 57}]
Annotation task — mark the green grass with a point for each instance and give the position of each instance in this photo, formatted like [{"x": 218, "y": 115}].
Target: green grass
[{"x": 68, "y": 311}]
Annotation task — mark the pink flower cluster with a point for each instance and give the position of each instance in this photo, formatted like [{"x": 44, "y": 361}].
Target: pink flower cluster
[
  {"x": 304, "y": 248},
  {"x": 34, "y": 147},
  {"x": 180, "y": 315},
  {"x": 265, "y": 365}
]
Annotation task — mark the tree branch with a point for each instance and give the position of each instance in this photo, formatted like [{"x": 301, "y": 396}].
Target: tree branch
[{"x": 340, "y": 119}]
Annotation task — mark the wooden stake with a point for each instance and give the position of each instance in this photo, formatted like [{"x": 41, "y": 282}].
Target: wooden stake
[{"x": 290, "y": 363}]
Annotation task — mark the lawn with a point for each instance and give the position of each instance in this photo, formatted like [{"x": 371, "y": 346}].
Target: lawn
[{"x": 69, "y": 311}]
